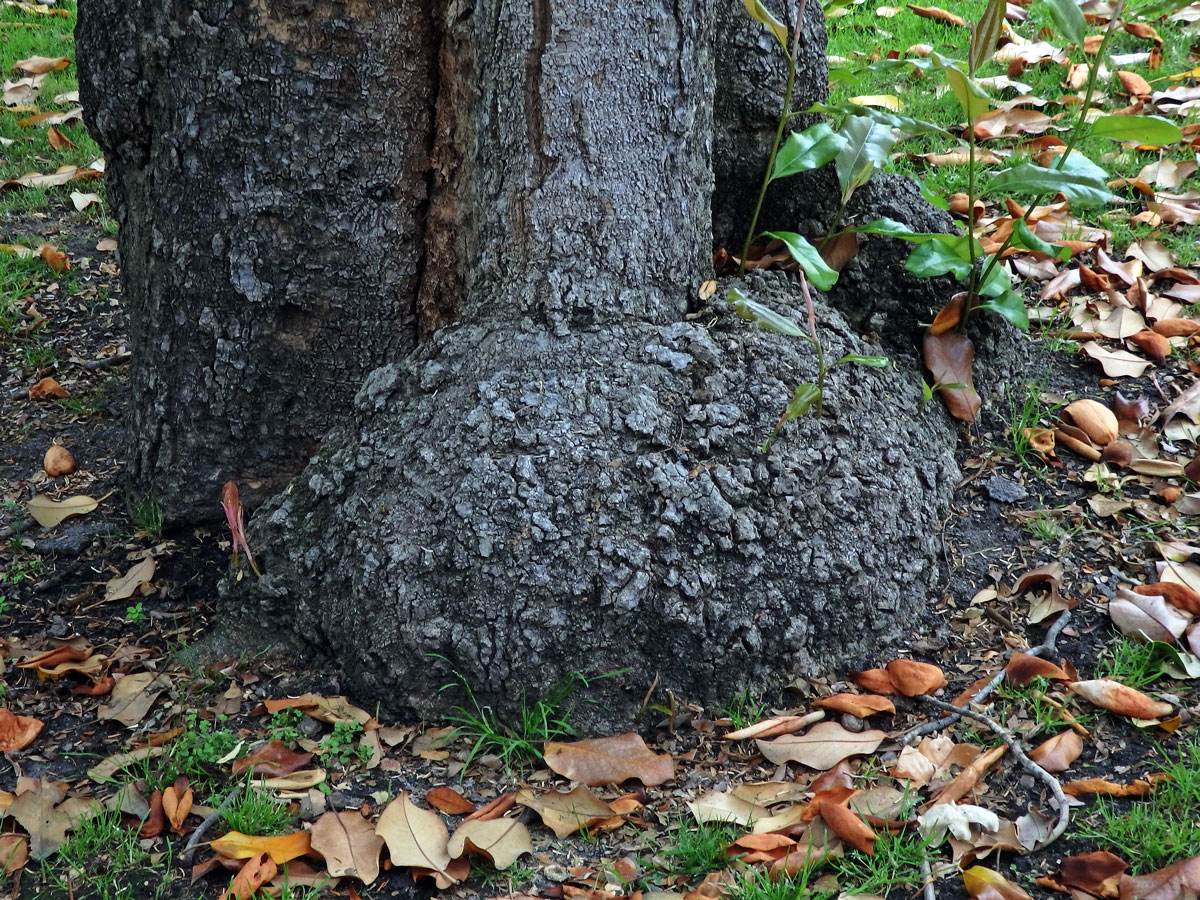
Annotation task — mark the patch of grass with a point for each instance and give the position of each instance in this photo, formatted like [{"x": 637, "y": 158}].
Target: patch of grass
[
  {"x": 698, "y": 848},
  {"x": 1037, "y": 707},
  {"x": 195, "y": 753},
  {"x": 896, "y": 863},
  {"x": 255, "y": 812},
  {"x": 1155, "y": 831},
  {"x": 519, "y": 743},
  {"x": 744, "y": 709},
  {"x": 757, "y": 884},
  {"x": 108, "y": 858},
  {"x": 1130, "y": 662},
  {"x": 84, "y": 407},
  {"x": 146, "y": 513},
  {"x": 1026, "y": 412},
  {"x": 493, "y": 880}
]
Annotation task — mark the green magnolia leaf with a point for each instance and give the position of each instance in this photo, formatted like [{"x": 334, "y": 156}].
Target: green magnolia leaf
[
  {"x": 1068, "y": 18},
  {"x": 753, "y": 311},
  {"x": 875, "y": 362},
  {"x": 893, "y": 229},
  {"x": 905, "y": 124},
  {"x": 937, "y": 257},
  {"x": 1025, "y": 239},
  {"x": 986, "y": 33},
  {"x": 868, "y": 146},
  {"x": 760, "y": 13},
  {"x": 970, "y": 96},
  {"x": 808, "y": 257},
  {"x": 1078, "y": 164},
  {"x": 1010, "y": 304},
  {"x": 1174, "y": 662},
  {"x": 806, "y": 150},
  {"x": 1143, "y": 129},
  {"x": 803, "y": 398},
  {"x": 1080, "y": 190}
]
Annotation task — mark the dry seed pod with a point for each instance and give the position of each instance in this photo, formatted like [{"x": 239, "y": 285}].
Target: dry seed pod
[
  {"x": 1076, "y": 441},
  {"x": 1094, "y": 419},
  {"x": 58, "y": 461}
]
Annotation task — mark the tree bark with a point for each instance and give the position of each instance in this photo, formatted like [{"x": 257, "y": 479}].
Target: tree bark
[{"x": 268, "y": 163}]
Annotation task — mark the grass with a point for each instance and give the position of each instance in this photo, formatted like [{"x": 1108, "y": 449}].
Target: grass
[
  {"x": 698, "y": 848},
  {"x": 255, "y": 812},
  {"x": 491, "y": 879},
  {"x": 147, "y": 514},
  {"x": 107, "y": 859},
  {"x": 744, "y": 709},
  {"x": 1038, "y": 713},
  {"x": 518, "y": 743},
  {"x": 896, "y": 863},
  {"x": 1130, "y": 662},
  {"x": 1158, "y": 830},
  {"x": 1026, "y": 413}
]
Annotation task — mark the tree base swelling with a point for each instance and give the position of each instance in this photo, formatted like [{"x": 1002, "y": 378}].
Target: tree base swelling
[{"x": 521, "y": 505}]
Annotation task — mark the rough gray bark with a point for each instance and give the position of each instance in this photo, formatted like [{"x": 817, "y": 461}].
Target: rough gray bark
[{"x": 268, "y": 164}]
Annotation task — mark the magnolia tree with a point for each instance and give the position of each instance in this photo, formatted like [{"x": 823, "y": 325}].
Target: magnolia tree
[{"x": 462, "y": 256}]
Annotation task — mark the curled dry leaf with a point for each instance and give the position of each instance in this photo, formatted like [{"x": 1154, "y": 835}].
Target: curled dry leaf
[
  {"x": 132, "y": 697},
  {"x": 503, "y": 841},
  {"x": 949, "y": 357},
  {"x": 1153, "y": 344},
  {"x": 1178, "y": 881},
  {"x": 48, "y": 513},
  {"x": 272, "y": 758},
  {"x": 1178, "y": 595},
  {"x": 722, "y": 806},
  {"x": 1094, "y": 419},
  {"x": 14, "y": 852},
  {"x": 1057, "y": 754},
  {"x": 1147, "y": 616},
  {"x": 449, "y": 801},
  {"x": 1119, "y": 698},
  {"x": 822, "y": 746},
  {"x": 938, "y": 15},
  {"x": 280, "y": 847},
  {"x": 40, "y": 65},
  {"x": 957, "y": 819},
  {"x": 1088, "y": 786},
  {"x": 913, "y": 678},
  {"x": 256, "y": 872},
  {"x": 349, "y": 844},
  {"x": 987, "y": 884},
  {"x": 1116, "y": 363},
  {"x": 1099, "y": 874},
  {"x": 567, "y": 813},
  {"x": 17, "y": 732},
  {"x": 771, "y": 728},
  {"x": 609, "y": 761},
  {"x": 849, "y": 827},
  {"x": 48, "y": 389},
  {"x": 861, "y": 705},
  {"x": 416, "y": 837},
  {"x": 124, "y": 586},
  {"x": 876, "y": 680},
  {"x": 1023, "y": 668}
]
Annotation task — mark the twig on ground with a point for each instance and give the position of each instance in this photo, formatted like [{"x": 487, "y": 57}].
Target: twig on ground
[
  {"x": 107, "y": 362},
  {"x": 1026, "y": 763},
  {"x": 1046, "y": 647},
  {"x": 929, "y": 890},
  {"x": 211, "y": 820}
]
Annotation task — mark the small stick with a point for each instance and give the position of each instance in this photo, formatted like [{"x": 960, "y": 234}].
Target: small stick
[
  {"x": 1026, "y": 763},
  {"x": 209, "y": 822},
  {"x": 1046, "y": 647},
  {"x": 108, "y": 362},
  {"x": 927, "y": 877}
]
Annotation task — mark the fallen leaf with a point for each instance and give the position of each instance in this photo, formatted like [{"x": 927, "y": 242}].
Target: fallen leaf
[
  {"x": 416, "y": 837},
  {"x": 449, "y": 801},
  {"x": 1087, "y": 786},
  {"x": 47, "y": 815},
  {"x": 949, "y": 357},
  {"x": 1178, "y": 595},
  {"x": 82, "y": 201},
  {"x": 849, "y": 827},
  {"x": 256, "y": 872},
  {"x": 876, "y": 680},
  {"x": 47, "y": 389},
  {"x": 17, "y": 732},
  {"x": 14, "y": 852},
  {"x": 609, "y": 760},
  {"x": 861, "y": 705},
  {"x": 964, "y": 782},
  {"x": 955, "y": 818},
  {"x": 124, "y": 587},
  {"x": 822, "y": 746},
  {"x": 1097, "y": 873},
  {"x": 40, "y": 65},
  {"x": 177, "y": 800},
  {"x": 1147, "y": 616},
  {"x": 48, "y": 513},
  {"x": 1057, "y": 754},
  {"x": 772, "y": 727},
  {"x": 272, "y": 758},
  {"x": 1178, "y": 881},
  {"x": 722, "y": 806},
  {"x": 1116, "y": 363},
  {"x": 132, "y": 697},
  {"x": 938, "y": 15},
  {"x": 503, "y": 841},
  {"x": 1023, "y": 668},
  {"x": 1119, "y": 698},
  {"x": 566, "y": 813},
  {"x": 55, "y": 258},
  {"x": 915, "y": 678},
  {"x": 280, "y": 848},
  {"x": 988, "y": 884},
  {"x": 349, "y": 844}
]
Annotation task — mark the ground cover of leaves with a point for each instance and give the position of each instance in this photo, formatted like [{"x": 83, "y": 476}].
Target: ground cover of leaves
[{"x": 1069, "y": 572}]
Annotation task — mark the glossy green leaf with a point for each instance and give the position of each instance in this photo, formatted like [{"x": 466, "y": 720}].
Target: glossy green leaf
[
  {"x": 1078, "y": 164},
  {"x": 1080, "y": 190},
  {"x": 939, "y": 258},
  {"x": 868, "y": 148},
  {"x": 808, "y": 257},
  {"x": 760, "y": 13},
  {"x": 906, "y": 124},
  {"x": 753, "y": 311},
  {"x": 985, "y": 34},
  {"x": 969, "y": 95},
  {"x": 1143, "y": 129},
  {"x": 893, "y": 229},
  {"x": 1025, "y": 239},
  {"x": 1068, "y": 18},
  {"x": 875, "y": 362},
  {"x": 806, "y": 150},
  {"x": 1010, "y": 304},
  {"x": 803, "y": 398},
  {"x": 1174, "y": 662}
]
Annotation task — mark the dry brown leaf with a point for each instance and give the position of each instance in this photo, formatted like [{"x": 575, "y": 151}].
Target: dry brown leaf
[
  {"x": 349, "y": 845},
  {"x": 861, "y": 705},
  {"x": 255, "y": 872},
  {"x": 1116, "y": 363},
  {"x": 1119, "y": 698},
  {"x": 503, "y": 841},
  {"x": 272, "y": 758},
  {"x": 1178, "y": 881},
  {"x": 566, "y": 813},
  {"x": 48, "y": 513},
  {"x": 44, "y": 811},
  {"x": 132, "y": 697},
  {"x": 124, "y": 586},
  {"x": 449, "y": 801},
  {"x": 17, "y": 732},
  {"x": 1148, "y": 616},
  {"x": 1095, "y": 419},
  {"x": 987, "y": 884},
  {"x": 1023, "y": 668},
  {"x": 938, "y": 15},
  {"x": 280, "y": 848},
  {"x": 822, "y": 746},
  {"x": 949, "y": 357},
  {"x": 964, "y": 782},
  {"x": 769, "y": 728},
  {"x": 55, "y": 258},
  {"x": 1178, "y": 595},
  {"x": 1087, "y": 786},
  {"x": 609, "y": 760},
  {"x": 40, "y": 65},
  {"x": 913, "y": 678},
  {"x": 849, "y": 827},
  {"x": 177, "y": 800},
  {"x": 14, "y": 852},
  {"x": 877, "y": 681},
  {"x": 1099, "y": 873},
  {"x": 1057, "y": 754}
]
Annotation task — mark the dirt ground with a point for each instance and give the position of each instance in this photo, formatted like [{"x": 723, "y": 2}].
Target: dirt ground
[{"x": 56, "y": 582}]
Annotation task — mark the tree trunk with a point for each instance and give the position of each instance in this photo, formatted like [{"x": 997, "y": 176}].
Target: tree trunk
[
  {"x": 567, "y": 476},
  {"x": 269, "y": 167}
]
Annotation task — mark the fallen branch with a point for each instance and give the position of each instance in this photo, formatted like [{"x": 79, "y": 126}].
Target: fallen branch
[
  {"x": 1048, "y": 646},
  {"x": 1026, "y": 763},
  {"x": 209, "y": 821}
]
